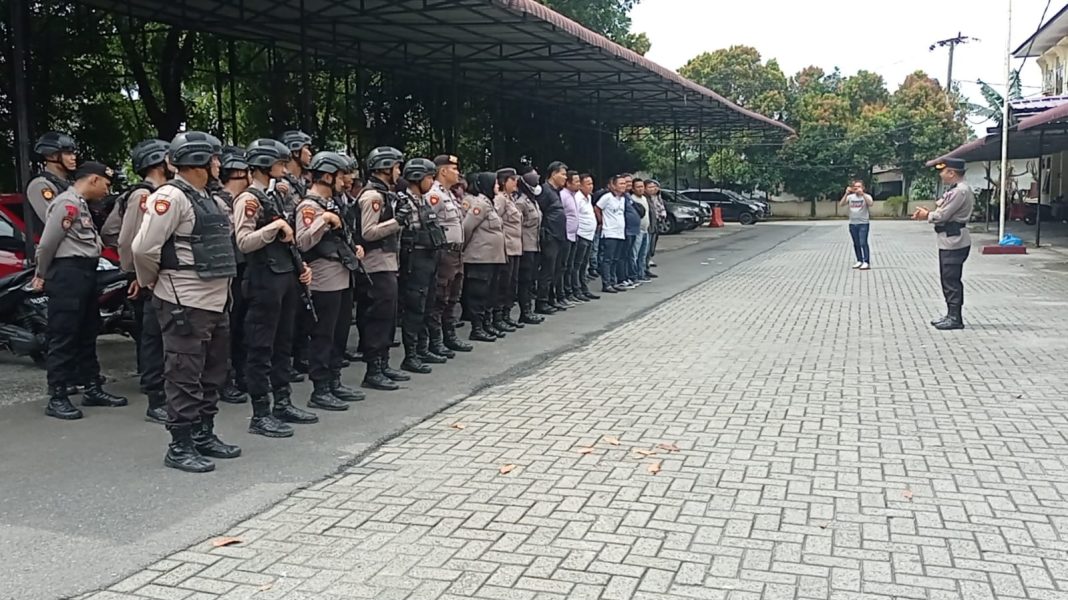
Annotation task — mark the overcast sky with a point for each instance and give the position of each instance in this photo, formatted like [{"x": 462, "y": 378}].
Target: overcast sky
[{"x": 891, "y": 38}]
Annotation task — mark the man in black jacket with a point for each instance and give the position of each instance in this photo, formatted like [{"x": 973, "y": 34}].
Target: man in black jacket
[{"x": 553, "y": 238}]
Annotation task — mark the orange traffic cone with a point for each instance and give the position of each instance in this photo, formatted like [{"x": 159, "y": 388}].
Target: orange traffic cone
[{"x": 717, "y": 217}]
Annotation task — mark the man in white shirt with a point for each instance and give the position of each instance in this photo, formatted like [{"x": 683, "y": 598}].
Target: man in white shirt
[
  {"x": 587, "y": 230},
  {"x": 611, "y": 207}
]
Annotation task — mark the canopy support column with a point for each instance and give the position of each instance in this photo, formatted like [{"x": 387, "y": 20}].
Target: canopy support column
[
  {"x": 1038, "y": 208},
  {"x": 675, "y": 151}
]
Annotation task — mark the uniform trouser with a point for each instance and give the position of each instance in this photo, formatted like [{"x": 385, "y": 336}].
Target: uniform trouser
[
  {"x": 951, "y": 269},
  {"x": 324, "y": 355},
  {"x": 272, "y": 305},
  {"x": 303, "y": 324},
  {"x": 238, "y": 311},
  {"x": 609, "y": 257},
  {"x": 579, "y": 265},
  {"x": 450, "y": 284},
  {"x": 378, "y": 317},
  {"x": 150, "y": 352},
  {"x": 508, "y": 283},
  {"x": 344, "y": 325},
  {"x": 195, "y": 361},
  {"x": 548, "y": 259},
  {"x": 418, "y": 274},
  {"x": 528, "y": 274},
  {"x": 561, "y": 283},
  {"x": 73, "y": 322},
  {"x": 478, "y": 288}
]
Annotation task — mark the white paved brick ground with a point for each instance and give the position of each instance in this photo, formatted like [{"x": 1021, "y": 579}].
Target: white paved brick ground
[{"x": 830, "y": 444}]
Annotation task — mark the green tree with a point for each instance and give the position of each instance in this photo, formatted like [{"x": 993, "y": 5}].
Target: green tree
[
  {"x": 995, "y": 100},
  {"x": 927, "y": 123},
  {"x": 739, "y": 74},
  {"x": 610, "y": 18}
]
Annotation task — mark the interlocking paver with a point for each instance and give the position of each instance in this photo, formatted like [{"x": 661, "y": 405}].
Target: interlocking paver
[{"x": 829, "y": 445}]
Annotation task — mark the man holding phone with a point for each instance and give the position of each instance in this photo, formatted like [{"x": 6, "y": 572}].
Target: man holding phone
[{"x": 859, "y": 204}]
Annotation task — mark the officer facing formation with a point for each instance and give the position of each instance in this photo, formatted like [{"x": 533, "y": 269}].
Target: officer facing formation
[
  {"x": 421, "y": 244},
  {"x": 67, "y": 257},
  {"x": 484, "y": 255},
  {"x": 381, "y": 221},
  {"x": 59, "y": 154},
  {"x": 272, "y": 278},
  {"x": 334, "y": 259},
  {"x": 950, "y": 219},
  {"x": 184, "y": 254},
  {"x": 450, "y": 275}
]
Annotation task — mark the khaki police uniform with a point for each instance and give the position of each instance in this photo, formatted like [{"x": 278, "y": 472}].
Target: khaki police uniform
[
  {"x": 333, "y": 262},
  {"x": 512, "y": 220},
  {"x": 380, "y": 236},
  {"x": 183, "y": 253},
  {"x": 41, "y": 191},
  {"x": 299, "y": 184},
  {"x": 67, "y": 258},
  {"x": 238, "y": 310},
  {"x": 484, "y": 253},
  {"x": 422, "y": 243},
  {"x": 531, "y": 244},
  {"x": 450, "y": 274},
  {"x": 954, "y": 241}
]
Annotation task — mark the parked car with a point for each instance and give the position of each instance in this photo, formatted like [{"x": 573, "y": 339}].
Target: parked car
[
  {"x": 12, "y": 247},
  {"x": 733, "y": 206},
  {"x": 11, "y": 217},
  {"x": 681, "y": 217},
  {"x": 703, "y": 209}
]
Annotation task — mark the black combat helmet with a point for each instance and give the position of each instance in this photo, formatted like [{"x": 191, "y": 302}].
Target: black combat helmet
[
  {"x": 148, "y": 154},
  {"x": 233, "y": 159},
  {"x": 295, "y": 140},
  {"x": 383, "y": 158},
  {"x": 193, "y": 149},
  {"x": 417, "y": 169},
  {"x": 329, "y": 162},
  {"x": 265, "y": 152},
  {"x": 55, "y": 141}
]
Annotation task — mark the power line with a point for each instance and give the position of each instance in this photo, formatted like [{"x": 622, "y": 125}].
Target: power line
[{"x": 952, "y": 44}]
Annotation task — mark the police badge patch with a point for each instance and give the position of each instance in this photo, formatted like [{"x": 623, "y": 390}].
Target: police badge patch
[
  {"x": 307, "y": 215},
  {"x": 161, "y": 206},
  {"x": 48, "y": 194}
]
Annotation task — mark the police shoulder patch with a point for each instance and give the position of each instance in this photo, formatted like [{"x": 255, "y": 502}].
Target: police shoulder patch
[
  {"x": 48, "y": 193},
  {"x": 251, "y": 206},
  {"x": 307, "y": 214},
  {"x": 161, "y": 206},
  {"x": 376, "y": 206},
  {"x": 477, "y": 211},
  {"x": 144, "y": 203},
  {"x": 466, "y": 204},
  {"x": 434, "y": 199}
]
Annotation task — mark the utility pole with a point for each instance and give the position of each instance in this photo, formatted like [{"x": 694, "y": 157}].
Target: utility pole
[{"x": 952, "y": 44}]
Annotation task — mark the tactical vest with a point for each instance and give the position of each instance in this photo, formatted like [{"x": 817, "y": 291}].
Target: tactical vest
[
  {"x": 124, "y": 198},
  {"x": 228, "y": 200},
  {"x": 211, "y": 241},
  {"x": 390, "y": 243},
  {"x": 429, "y": 235},
  {"x": 275, "y": 256},
  {"x": 333, "y": 246},
  {"x": 60, "y": 183}
]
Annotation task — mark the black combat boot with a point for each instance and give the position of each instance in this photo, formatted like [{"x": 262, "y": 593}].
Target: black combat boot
[
  {"x": 938, "y": 320},
  {"x": 544, "y": 308},
  {"x": 487, "y": 324},
  {"x": 285, "y": 411},
  {"x": 353, "y": 354},
  {"x": 422, "y": 350},
  {"x": 479, "y": 333},
  {"x": 375, "y": 379},
  {"x": 452, "y": 342},
  {"x": 209, "y": 444},
  {"x": 59, "y": 405},
  {"x": 264, "y": 423},
  {"x": 506, "y": 314},
  {"x": 231, "y": 394},
  {"x": 323, "y": 397},
  {"x": 528, "y": 316},
  {"x": 437, "y": 343},
  {"x": 156, "y": 411},
  {"x": 343, "y": 392},
  {"x": 301, "y": 366},
  {"x": 412, "y": 363},
  {"x": 953, "y": 320},
  {"x": 95, "y": 395},
  {"x": 499, "y": 323},
  {"x": 395, "y": 375},
  {"x": 183, "y": 455}
]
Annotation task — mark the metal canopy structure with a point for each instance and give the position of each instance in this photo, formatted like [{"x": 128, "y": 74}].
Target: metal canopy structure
[{"x": 517, "y": 49}]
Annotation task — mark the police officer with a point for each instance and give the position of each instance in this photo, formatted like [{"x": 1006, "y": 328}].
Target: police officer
[
  {"x": 298, "y": 177},
  {"x": 950, "y": 219},
  {"x": 421, "y": 243},
  {"x": 512, "y": 219},
  {"x": 334, "y": 259},
  {"x": 381, "y": 220},
  {"x": 273, "y": 280},
  {"x": 67, "y": 257},
  {"x": 184, "y": 254},
  {"x": 484, "y": 254},
  {"x": 234, "y": 180},
  {"x": 450, "y": 276},
  {"x": 149, "y": 160},
  {"x": 59, "y": 153},
  {"x": 526, "y": 201}
]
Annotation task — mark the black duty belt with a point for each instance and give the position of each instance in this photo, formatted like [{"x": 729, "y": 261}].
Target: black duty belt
[
  {"x": 951, "y": 229},
  {"x": 451, "y": 247}
]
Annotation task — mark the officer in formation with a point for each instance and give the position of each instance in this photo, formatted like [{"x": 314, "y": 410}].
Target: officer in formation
[
  {"x": 526, "y": 201},
  {"x": 234, "y": 180},
  {"x": 59, "y": 158},
  {"x": 512, "y": 220},
  {"x": 950, "y": 219},
  {"x": 422, "y": 241},
  {"x": 381, "y": 220},
  {"x": 334, "y": 258},
  {"x": 484, "y": 256},
  {"x": 450, "y": 274},
  {"x": 298, "y": 178},
  {"x": 275, "y": 281},
  {"x": 67, "y": 257}
]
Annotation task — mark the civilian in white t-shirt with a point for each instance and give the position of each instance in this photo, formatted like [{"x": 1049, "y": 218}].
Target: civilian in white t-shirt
[{"x": 612, "y": 207}]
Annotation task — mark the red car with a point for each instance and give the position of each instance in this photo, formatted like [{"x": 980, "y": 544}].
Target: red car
[{"x": 13, "y": 236}]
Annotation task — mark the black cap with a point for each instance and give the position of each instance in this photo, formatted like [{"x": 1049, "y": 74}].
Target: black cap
[
  {"x": 506, "y": 172},
  {"x": 446, "y": 159},
  {"x": 951, "y": 163},
  {"x": 94, "y": 168}
]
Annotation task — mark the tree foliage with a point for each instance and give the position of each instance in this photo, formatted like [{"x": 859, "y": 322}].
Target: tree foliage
[{"x": 610, "y": 18}]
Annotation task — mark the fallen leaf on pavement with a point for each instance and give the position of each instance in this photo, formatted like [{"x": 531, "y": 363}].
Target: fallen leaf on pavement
[
  {"x": 907, "y": 494},
  {"x": 266, "y": 586},
  {"x": 611, "y": 440},
  {"x": 668, "y": 447},
  {"x": 584, "y": 450},
  {"x": 654, "y": 468},
  {"x": 646, "y": 452},
  {"x": 506, "y": 469},
  {"x": 225, "y": 541},
  {"x": 458, "y": 426}
]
